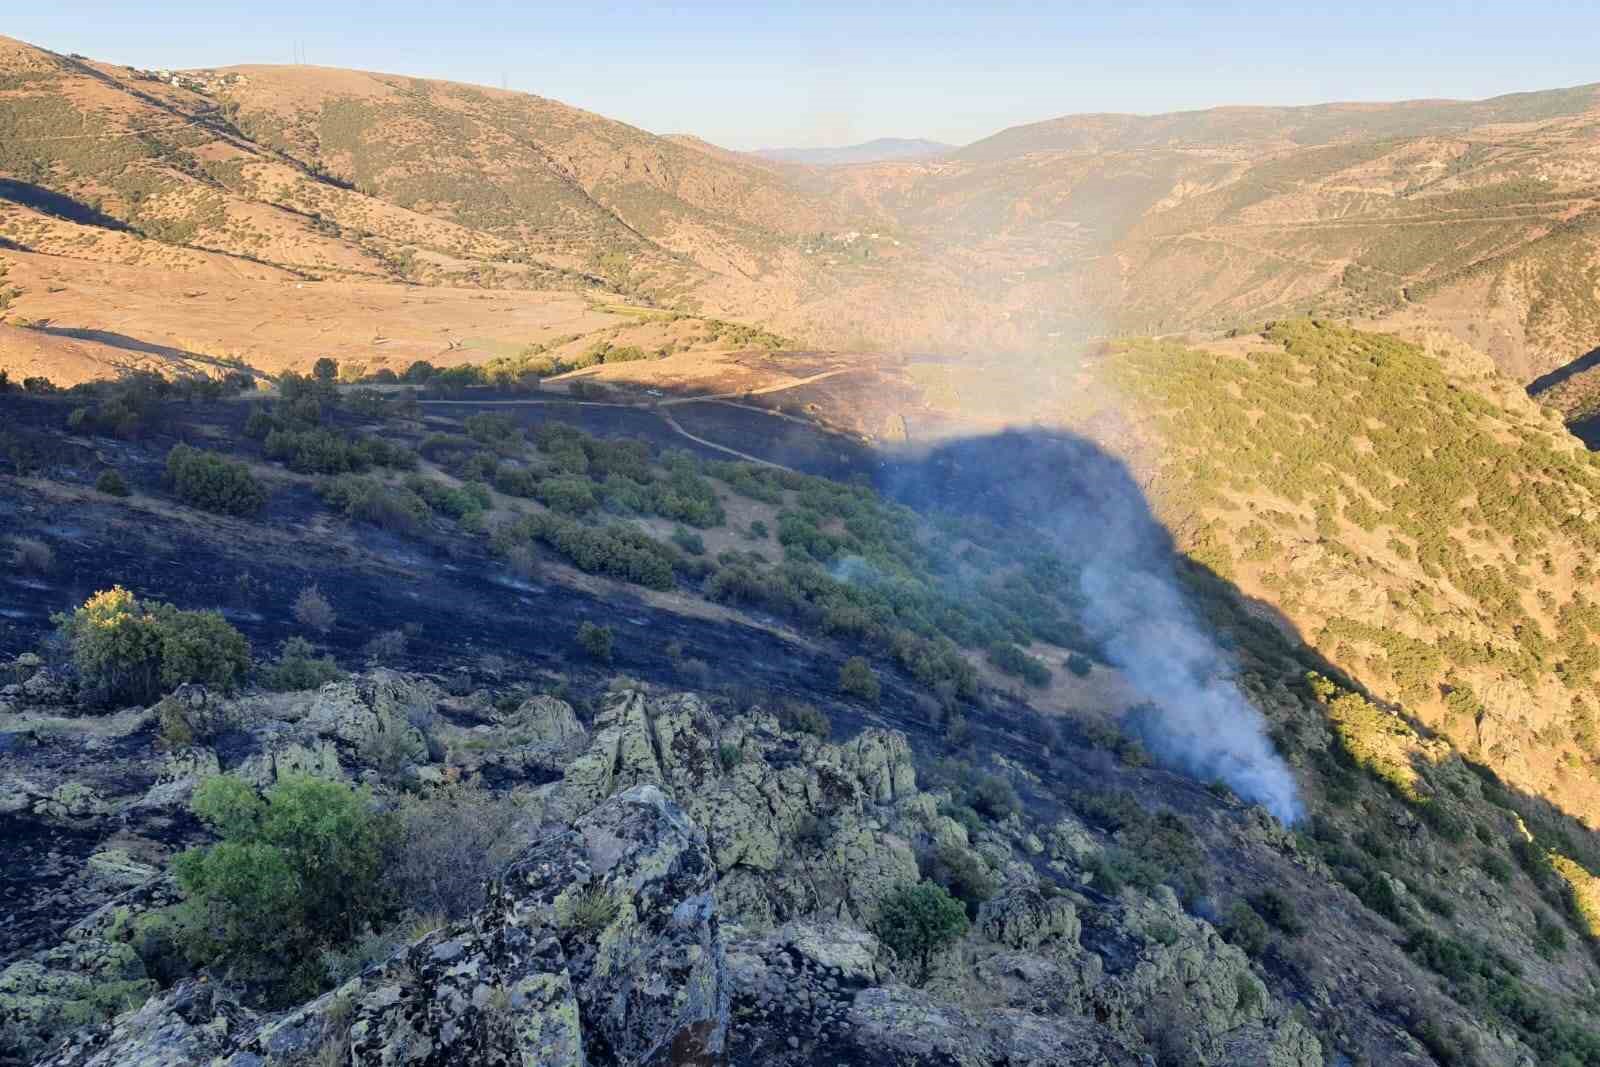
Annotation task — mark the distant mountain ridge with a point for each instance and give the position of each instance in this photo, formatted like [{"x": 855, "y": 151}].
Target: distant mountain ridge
[{"x": 880, "y": 150}]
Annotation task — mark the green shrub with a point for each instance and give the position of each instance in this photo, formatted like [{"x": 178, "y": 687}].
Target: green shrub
[
  {"x": 918, "y": 921},
  {"x": 963, "y": 873},
  {"x": 125, "y": 650},
  {"x": 111, "y": 483},
  {"x": 993, "y": 796},
  {"x": 311, "y": 608},
  {"x": 1012, "y": 660},
  {"x": 1243, "y": 927},
  {"x": 596, "y": 641},
  {"x": 208, "y": 481},
  {"x": 299, "y": 667},
  {"x": 730, "y": 755},
  {"x": 800, "y": 718},
  {"x": 368, "y": 500},
  {"x": 689, "y": 541},
  {"x": 296, "y": 872},
  {"x": 590, "y": 911},
  {"x": 857, "y": 678},
  {"x": 1079, "y": 664},
  {"x": 1279, "y": 911},
  {"x": 1495, "y": 867}
]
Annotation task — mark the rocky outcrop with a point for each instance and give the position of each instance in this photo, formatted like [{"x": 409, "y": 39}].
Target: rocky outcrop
[
  {"x": 703, "y": 891},
  {"x": 600, "y": 945},
  {"x": 1026, "y": 918},
  {"x": 376, "y": 717}
]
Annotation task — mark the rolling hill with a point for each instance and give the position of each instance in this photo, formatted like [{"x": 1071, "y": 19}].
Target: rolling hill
[{"x": 1475, "y": 217}]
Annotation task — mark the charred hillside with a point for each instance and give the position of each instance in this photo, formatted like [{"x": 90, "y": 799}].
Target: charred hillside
[{"x": 937, "y": 765}]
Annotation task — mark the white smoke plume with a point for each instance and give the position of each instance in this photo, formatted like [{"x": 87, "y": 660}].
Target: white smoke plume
[{"x": 1083, "y": 502}]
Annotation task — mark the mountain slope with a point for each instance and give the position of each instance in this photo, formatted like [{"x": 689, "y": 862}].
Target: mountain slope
[{"x": 876, "y": 151}]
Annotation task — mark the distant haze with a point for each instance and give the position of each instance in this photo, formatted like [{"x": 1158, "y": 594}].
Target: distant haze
[{"x": 884, "y": 148}]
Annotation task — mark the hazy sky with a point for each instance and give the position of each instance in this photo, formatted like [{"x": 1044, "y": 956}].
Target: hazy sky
[{"x": 754, "y": 74}]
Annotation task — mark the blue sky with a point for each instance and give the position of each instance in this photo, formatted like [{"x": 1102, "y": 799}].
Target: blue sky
[{"x": 754, "y": 74}]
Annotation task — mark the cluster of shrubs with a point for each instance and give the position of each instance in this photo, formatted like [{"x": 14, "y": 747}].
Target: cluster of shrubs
[
  {"x": 131, "y": 405},
  {"x": 1012, "y": 660},
  {"x": 1151, "y": 849},
  {"x": 366, "y": 499},
  {"x": 321, "y": 451},
  {"x": 617, "y": 551}
]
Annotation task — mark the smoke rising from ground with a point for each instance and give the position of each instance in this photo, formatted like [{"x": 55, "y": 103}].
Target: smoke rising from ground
[{"x": 1086, "y": 506}]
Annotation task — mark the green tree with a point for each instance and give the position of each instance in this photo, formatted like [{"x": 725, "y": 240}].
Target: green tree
[
  {"x": 919, "y": 920},
  {"x": 125, "y": 650},
  {"x": 325, "y": 370}
]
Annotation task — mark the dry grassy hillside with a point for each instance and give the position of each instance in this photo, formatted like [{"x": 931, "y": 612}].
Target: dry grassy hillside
[{"x": 1406, "y": 511}]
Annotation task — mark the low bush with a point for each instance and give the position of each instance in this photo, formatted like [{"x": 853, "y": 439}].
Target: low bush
[
  {"x": 32, "y": 554},
  {"x": 1014, "y": 661},
  {"x": 1279, "y": 911},
  {"x": 313, "y": 610},
  {"x": 111, "y": 483},
  {"x": 960, "y": 871},
  {"x": 395, "y": 508},
  {"x": 596, "y": 641},
  {"x": 295, "y": 872},
  {"x": 209, "y": 481},
  {"x": 918, "y": 921},
  {"x": 689, "y": 541},
  {"x": 1243, "y": 927},
  {"x": 447, "y": 846},
  {"x": 299, "y": 667},
  {"x": 800, "y": 718},
  {"x": 387, "y": 646},
  {"x": 857, "y": 678}
]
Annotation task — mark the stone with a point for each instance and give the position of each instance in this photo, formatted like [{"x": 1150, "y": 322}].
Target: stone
[
  {"x": 544, "y": 720},
  {"x": 1026, "y": 918}
]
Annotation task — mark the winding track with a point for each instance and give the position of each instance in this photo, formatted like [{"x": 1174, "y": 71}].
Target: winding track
[{"x": 666, "y": 417}]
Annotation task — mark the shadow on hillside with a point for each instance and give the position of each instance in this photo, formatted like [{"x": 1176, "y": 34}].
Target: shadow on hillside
[
  {"x": 1546, "y": 382},
  {"x": 175, "y": 360},
  {"x": 57, "y": 204}
]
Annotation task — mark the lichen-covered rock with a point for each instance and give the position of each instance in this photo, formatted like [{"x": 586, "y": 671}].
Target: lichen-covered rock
[
  {"x": 279, "y": 749},
  {"x": 621, "y": 754},
  {"x": 600, "y": 942},
  {"x": 881, "y": 761},
  {"x": 599, "y": 945},
  {"x": 1026, "y": 918},
  {"x": 904, "y": 1026},
  {"x": 62, "y": 989},
  {"x": 375, "y": 716},
  {"x": 45, "y": 688},
  {"x": 193, "y": 1023},
  {"x": 547, "y": 721}
]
